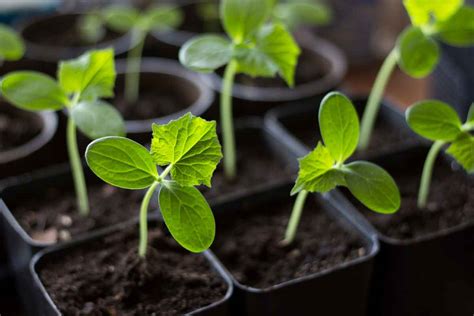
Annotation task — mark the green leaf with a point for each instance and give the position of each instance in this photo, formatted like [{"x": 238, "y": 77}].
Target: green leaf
[
  {"x": 91, "y": 27},
  {"x": 421, "y": 11},
  {"x": 462, "y": 149},
  {"x": 206, "y": 53},
  {"x": 242, "y": 18},
  {"x": 187, "y": 216},
  {"x": 163, "y": 17},
  {"x": 98, "y": 119},
  {"x": 470, "y": 115},
  {"x": 372, "y": 186},
  {"x": 458, "y": 30},
  {"x": 120, "y": 18},
  {"x": 11, "y": 45},
  {"x": 434, "y": 120},
  {"x": 339, "y": 125},
  {"x": 294, "y": 14},
  {"x": 33, "y": 91},
  {"x": 275, "y": 51},
  {"x": 418, "y": 53},
  {"x": 316, "y": 172},
  {"x": 92, "y": 74},
  {"x": 121, "y": 162},
  {"x": 191, "y": 145}
]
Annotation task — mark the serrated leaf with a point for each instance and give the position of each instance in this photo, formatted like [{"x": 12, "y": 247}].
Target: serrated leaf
[
  {"x": 242, "y": 18},
  {"x": 275, "y": 51},
  {"x": 372, "y": 186},
  {"x": 92, "y": 74},
  {"x": 159, "y": 18},
  {"x": 418, "y": 54},
  {"x": 191, "y": 145},
  {"x": 458, "y": 30},
  {"x": 462, "y": 149},
  {"x": 98, "y": 119},
  {"x": 33, "y": 91},
  {"x": 206, "y": 53},
  {"x": 11, "y": 45},
  {"x": 421, "y": 11},
  {"x": 434, "y": 120},
  {"x": 296, "y": 13},
  {"x": 187, "y": 216},
  {"x": 339, "y": 125},
  {"x": 121, "y": 162},
  {"x": 120, "y": 18},
  {"x": 316, "y": 173}
]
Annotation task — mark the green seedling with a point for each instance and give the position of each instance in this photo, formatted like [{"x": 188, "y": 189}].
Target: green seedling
[
  {"x": 91, "y": 27},
  {"x": 81, "y": 82},
  {"x": 325, "y": 167},
  {"x": 253, "y": 48},
  {"x": 294, "y": 13},
  {"x": 438, "y": 122},
  {"x": 12, "y": 47},
  {"x": 190, "y": 150},
  {"x": 417, "y": 51},
  {"x": 127, "y": 19}
]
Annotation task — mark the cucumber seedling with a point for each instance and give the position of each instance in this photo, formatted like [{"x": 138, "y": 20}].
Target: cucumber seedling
[
  {"x": 12, "y": 47},
  {"x": 81, "y": 82},
  {"x": 190, "y": 150},
  {"x": 417, "y": 51},
  {"x": 325, "y": 167},
  {"x": 295, "y": 13},
  {"x": 439, "y": 122},
  {"x": 253, "y": 48}
]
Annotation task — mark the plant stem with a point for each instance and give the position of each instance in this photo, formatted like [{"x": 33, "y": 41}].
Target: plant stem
[
  {"x": 295, "y": 218},
  {"x": 144, "y": 219},
  {"x": 132, "y": 77},
  {"x": 427, "y": 173},
  {"x": 77, "y": 171},
  {"x": 373, "y": 103},
  {"x": 227, "y": 121}
]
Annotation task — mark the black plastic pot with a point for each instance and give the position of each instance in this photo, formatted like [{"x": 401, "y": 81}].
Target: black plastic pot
[
  {"x": 37, "y": 50},
  {"x": 341, "y": 290},
  {"x": 45, "y": 306},
  {"x": 291, "y": 124},
  {"x": 430, "y": 275}
]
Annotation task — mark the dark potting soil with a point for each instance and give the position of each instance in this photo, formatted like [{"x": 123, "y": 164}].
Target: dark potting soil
[
  {"x": 256, "y": 166},
  {"x": 450, "y": 203},
  {"x": 248, "y": 243},
  {"x": 17, "y": 127},
  {"x": 107, "y": 277},
  {"x": 53, "y": 216},
  {"x": 61, "y": 31}
]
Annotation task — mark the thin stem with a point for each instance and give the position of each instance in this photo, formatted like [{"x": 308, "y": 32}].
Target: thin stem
[
  {"x": 144, "y": 219},
  {"x": 373, "y": 104},
  {"x": 295, "y": 218},
  {"x": 427, "y": 173},
  {"x": 132, "y": 77},
  {"x": 227, "y": 121},
  {"x": 165, "y": 172}
]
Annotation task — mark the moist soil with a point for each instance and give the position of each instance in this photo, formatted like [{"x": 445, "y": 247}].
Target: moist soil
[
  {"x": 107, "y": 277},
  {"x": 52, "y": 216},
  {"x": 17, "y": 127},
  {"x": 248, "y": 243},
  {"x": 450, "y": 203}
]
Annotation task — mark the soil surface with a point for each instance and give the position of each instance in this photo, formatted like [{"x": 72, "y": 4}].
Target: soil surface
[
  {"x": 450, "y": 203},
  {"x": 52, "y": 216},
  {"x": 17, "y": 127},
  {"x": 107, "y": 277},
  {"x": 248, "y": 243}
]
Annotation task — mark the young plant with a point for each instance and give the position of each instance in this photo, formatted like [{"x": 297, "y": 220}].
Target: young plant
[
  {"x": 81, "y": 82},
  {"x": 254, "y": 48},
  {"x": 417, "y": 51},
  {"x": 325, "y": 167},
  {"x": 190, "y": 150},
  {"x": 12, "y": 47},
  {"x": 127, "y": 19},
  {"x": 91, "y": 27},
  {"x": 437, "y": 121},
  {"x": 294, "y": 13}
]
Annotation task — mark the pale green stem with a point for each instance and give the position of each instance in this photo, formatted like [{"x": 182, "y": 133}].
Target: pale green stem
[
  {"x": 373, "y": 103},
  {"x": 144, "y": 219},
  {"x": 132, "y": 77},
  {"x": 295, "y": 218},
  {"x": 427, "y": 173},
  {"x": 228, "y": 136}
]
